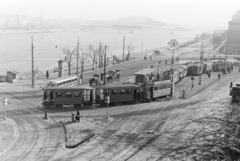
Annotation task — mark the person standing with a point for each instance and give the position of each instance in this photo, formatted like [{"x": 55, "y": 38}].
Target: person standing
[{"x": 47, "y": 74}]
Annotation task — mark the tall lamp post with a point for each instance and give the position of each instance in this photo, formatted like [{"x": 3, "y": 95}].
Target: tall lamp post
[
  {"x": 201, "y": 59},
  {"x": 173, "y": 53}
]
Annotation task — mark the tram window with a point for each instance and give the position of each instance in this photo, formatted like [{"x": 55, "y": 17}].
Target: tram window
[
  {"x": 155, "y": 88},
  {"x": 114, "y": 92},
  {"x": 59, "y": 94},
  {"x": 121, "y": 91},
  {"x": 106, "y": 91},
  {"x": 77, "y": 94},
  {"x": 164, "y": 86},
  {"x": 68, "y": 94},
  {"x": 128, "y": 91},
  {"x": 160, "y": 87}
]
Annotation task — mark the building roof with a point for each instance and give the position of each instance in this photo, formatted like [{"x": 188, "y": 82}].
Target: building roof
[
  {"x": 235, "y": 21},
  {"x": 145, "y": 71},
  {"x": 14, "y": 72},
  {"x": 82, "y": 87},
  {"x": 118, "y": 86}
]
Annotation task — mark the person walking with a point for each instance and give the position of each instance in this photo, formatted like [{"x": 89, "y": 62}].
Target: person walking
[
  {"x": 47, "y": 74},
  {"x": 231, "y": 84},
  {"x": 78, "y": 116},
  {"x": 219, "y": 76}
]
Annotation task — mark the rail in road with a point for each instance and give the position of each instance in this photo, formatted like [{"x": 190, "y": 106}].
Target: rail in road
[
  {"x": 123, "y": 133},
  {"x": 37, "y": 139}
]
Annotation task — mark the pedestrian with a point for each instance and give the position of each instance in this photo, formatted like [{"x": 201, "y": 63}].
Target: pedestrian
[
  {"x": 77, "y": 116},
  {"x": 219, "y": 76},
  {"x": 150, "y": 57},
  {"x": 47, "y": 74},
  {"x": 231, "y": 84},
  {"x": 90, "y": 82}
]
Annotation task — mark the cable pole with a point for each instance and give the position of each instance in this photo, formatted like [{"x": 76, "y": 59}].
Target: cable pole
[
  {"x": 82, "y": 63},
  {"x": 104, "y": 78},
  {"x": 173, "y": 53},
  {"x": 99, "y": 56},
  {"x": 77, "y": 55},
  {"x": 32, "y": 65},
  {"x": 78, "y": 61},
  {"x": 123, "y": 46}
]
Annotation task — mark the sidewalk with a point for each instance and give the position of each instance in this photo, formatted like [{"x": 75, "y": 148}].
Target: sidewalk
[{"x": 205, "y": 82}]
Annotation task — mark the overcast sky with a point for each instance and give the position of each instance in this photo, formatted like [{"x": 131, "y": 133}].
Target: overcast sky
[{"x": 183, "y": 12}]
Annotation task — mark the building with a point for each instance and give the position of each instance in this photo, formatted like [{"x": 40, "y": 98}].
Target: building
[
  {"x": 233, "y": 37},
  {"x": 12, "y": 76}
]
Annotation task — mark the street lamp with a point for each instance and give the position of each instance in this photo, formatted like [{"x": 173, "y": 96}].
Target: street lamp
[
  {"x": 173, "y": 53},
  {"x": 201, "y": 59}
]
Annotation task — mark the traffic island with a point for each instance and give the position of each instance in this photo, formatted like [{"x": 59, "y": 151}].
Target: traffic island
[{"x": 77, "y": 133}]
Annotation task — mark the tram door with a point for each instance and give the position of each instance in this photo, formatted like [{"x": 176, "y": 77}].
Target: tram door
[{"x": 151, "y": 92}]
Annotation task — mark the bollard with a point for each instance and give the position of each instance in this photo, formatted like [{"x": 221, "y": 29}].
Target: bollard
[
  {"x": 183, "y": 93},
  {"x": 73, "y": 117},
  {"x": 46, "y": 115}
]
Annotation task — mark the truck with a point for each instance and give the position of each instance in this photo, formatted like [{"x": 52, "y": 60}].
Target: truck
[{"x": 235, "y": 93}]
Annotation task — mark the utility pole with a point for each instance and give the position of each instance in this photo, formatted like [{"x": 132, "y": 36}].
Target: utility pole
[
  {"x": 77, "y": 55},
  {"x": 32, "y": 65},
  {"x": 123, "y": 46},
  {"x": 104, "y": 78},
  {"x": 82, "y": 63},
  {"x": 173, "y": 53},
  {"x": 201, "y": 60},
  {"x": 99, "y": 56},
  {"x": 78, "y": 60}
]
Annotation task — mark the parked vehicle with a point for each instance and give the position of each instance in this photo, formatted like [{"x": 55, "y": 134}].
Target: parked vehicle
[
  {"x": 235, "y": 93},
  {"x": 63, "y": 81}
]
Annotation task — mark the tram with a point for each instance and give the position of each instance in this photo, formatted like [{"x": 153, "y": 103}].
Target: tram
[
  {"x": 121, "y": 93},
  {"x": 59, "y": 96}
]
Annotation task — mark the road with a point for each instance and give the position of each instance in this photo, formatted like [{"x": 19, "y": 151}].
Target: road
[{"x": 132, "y": 134}]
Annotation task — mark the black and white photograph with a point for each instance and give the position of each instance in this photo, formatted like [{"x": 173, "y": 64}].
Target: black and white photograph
[{"x": 120, "y": 80}]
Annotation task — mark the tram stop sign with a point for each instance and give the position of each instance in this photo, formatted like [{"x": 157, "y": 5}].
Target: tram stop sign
[{"x": 107, "y": 99}]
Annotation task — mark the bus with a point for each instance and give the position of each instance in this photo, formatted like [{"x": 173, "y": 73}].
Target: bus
[{"x": 63, "y": 81}]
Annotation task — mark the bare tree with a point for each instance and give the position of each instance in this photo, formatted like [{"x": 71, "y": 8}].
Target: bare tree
[
  {"x": 69, "y": 57},
  {"x": 211, "y": 136},
  {"x": 129, "y": 49},
  {"x": 93, "y": 55},
  {"x": 82, "y": 59}
]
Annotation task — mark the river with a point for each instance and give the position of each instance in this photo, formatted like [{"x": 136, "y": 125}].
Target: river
[{"x": 15, "y": 48}]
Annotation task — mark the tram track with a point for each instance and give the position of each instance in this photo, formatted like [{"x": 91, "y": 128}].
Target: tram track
[
  {"x": 151, "y": 141},
  {"x": 42, "y": 146},
  {"x": 126, "y": 148}
]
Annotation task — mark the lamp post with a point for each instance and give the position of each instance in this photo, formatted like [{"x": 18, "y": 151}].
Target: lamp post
[
  {"x": 201, "y": 59},
  {"x": 5, "y": 102},
  {"x": 173, "y": 53}
]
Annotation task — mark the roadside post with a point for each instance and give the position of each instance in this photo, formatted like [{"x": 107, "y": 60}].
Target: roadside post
[
  {"x": 183, "y": 93},
  {"x": 5, "y": 102},
  {"x": 107, "y": 101},
  {"x": 192, "y": 78}
]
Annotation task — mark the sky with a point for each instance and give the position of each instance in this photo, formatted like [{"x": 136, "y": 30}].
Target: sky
[{"x": 180, "y": 12}]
